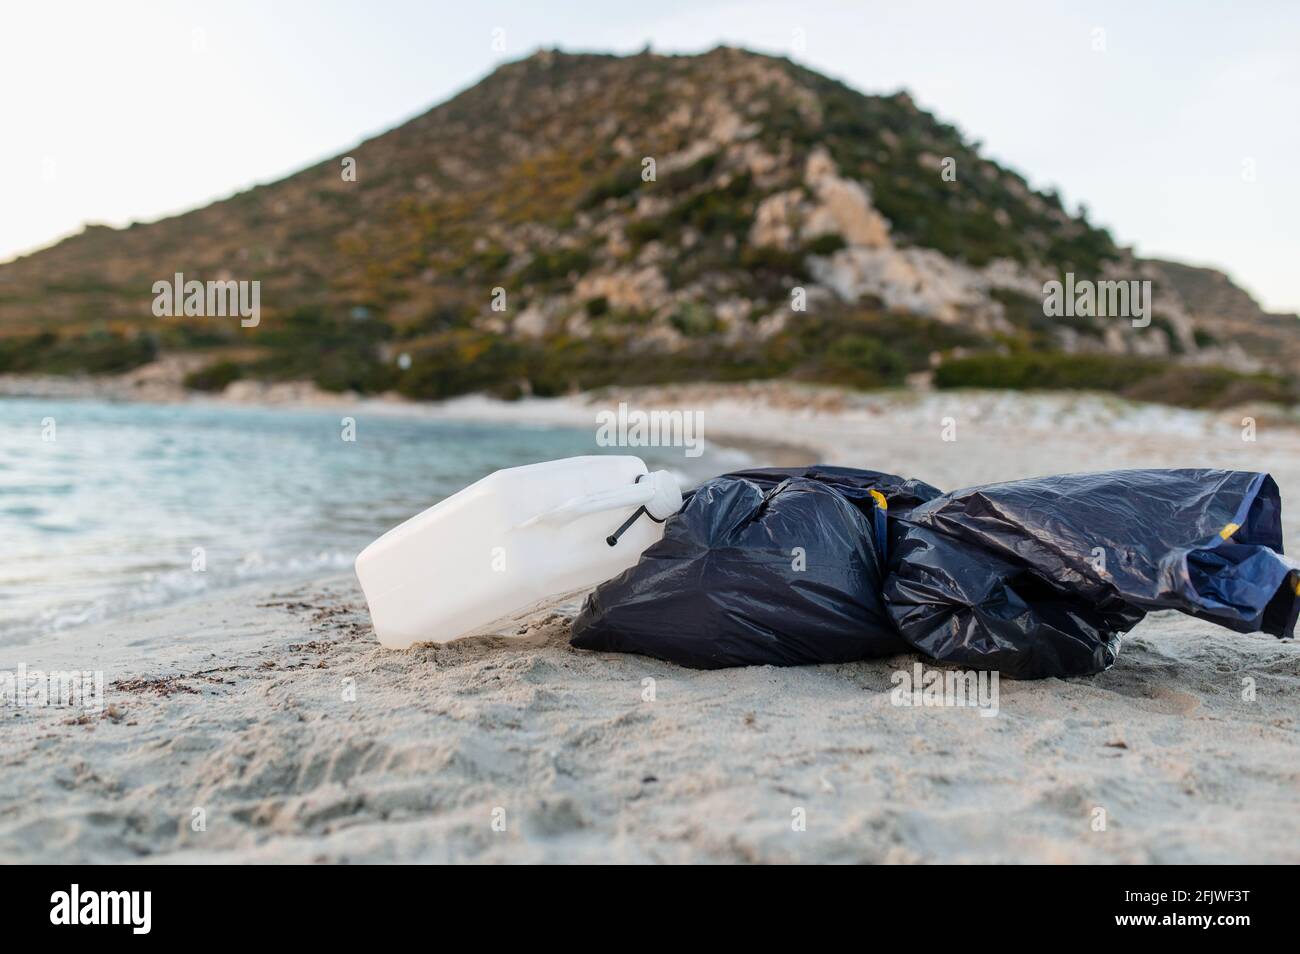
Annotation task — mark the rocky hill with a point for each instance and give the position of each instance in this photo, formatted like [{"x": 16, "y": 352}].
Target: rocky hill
[{"x": 577, "y": 220}]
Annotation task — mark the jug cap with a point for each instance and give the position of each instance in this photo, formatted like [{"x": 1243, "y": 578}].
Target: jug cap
[{"x": 667, "y": 498}]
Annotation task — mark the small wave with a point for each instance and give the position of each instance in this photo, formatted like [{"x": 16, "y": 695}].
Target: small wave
[
  {"x": 168, "y": 588},
  {"x": 23, "y": 510}
]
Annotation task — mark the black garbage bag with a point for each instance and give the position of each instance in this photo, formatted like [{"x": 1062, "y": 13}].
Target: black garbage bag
[
  {"x": 1041, "y": 577},
  {"x": 1033, "y": 578},
  {"x": 778, "y": 570}
]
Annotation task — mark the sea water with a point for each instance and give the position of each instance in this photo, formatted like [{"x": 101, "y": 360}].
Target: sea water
[{"x": 110, "y": 507}]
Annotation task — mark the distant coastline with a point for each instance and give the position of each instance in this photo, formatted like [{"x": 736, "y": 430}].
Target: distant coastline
[{"x": 161, "y": 383}]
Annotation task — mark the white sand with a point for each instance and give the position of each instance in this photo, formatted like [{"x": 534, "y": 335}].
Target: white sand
[{"x": 235, "y": 704}]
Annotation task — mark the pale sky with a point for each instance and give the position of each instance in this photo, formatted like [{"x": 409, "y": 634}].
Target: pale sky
[{"x": 1182, "y": 135}]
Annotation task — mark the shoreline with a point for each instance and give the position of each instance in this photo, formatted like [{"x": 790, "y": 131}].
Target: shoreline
[
  {"x": 732, "y": 452},
  {"x": 575, "y": 411}
]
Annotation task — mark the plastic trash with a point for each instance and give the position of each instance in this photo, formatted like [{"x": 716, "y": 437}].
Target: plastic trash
[
  {"x": 1033, "y": 578},
  {"x": 510, "y": 541},
  {"x": 774, "y": 570},
  {"x": 1041, "y": 577}
]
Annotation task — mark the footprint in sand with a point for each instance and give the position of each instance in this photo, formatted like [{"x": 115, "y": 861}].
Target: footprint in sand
[{"x": 1173, "y": 701}]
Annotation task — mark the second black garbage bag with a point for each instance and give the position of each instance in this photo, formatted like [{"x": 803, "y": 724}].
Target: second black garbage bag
[
  {"x": 1032, "y": 578},
  {"x": 1041, "y": 577},
  {"x": 775, "y": 571}
]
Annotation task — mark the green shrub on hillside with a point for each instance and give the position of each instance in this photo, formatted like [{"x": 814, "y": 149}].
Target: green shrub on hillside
[
  {"x": 862, "y": 361},
  {"x": 337, "y": 353},
  {"x": 554, "y": 265},
  {"x": 365, "y": 374},
  {"x": 1048, "y": 371},
  {"x": 192, "y": 335},
  {"x": 766, "y": 263},
  {"x": 694, "y": 320},
  {"x": 23, "y": 353},
  {"x": 442, "y": 316},
  {"x": 314, "y": 329},
  {"x": 99, "y": 352},
  {"x": 643, "y": 231},
  {"x": 1136, "y": 378},
  {"x": 717, "y": 211},
  {"x": 1203, "y": 338},
  {"x": 459, "y": 362},
  {"x": 622, "y": 181},
  {"x": 827, "y": 244},
  {"x": 1213, "y": 387},
  {"x": 812, "y": 343},
  {"x": 214, "y": 377},
  {"x": 696, "y": 174}
]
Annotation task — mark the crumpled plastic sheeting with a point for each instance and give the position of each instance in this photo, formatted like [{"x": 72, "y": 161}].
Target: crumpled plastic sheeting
[
  {"x": 1040, "y": 577},
  {"x": 1033, "y": 578}
]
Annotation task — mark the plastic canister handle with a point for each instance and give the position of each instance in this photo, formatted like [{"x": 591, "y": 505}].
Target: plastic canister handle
[{"x": 657, "y": 492}]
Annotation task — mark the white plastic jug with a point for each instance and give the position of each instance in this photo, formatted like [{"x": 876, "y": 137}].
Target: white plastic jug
[{"x": 511, "y": 541}]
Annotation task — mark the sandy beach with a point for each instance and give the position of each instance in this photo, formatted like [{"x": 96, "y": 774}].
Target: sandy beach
[{"x": 265, "y": 724}]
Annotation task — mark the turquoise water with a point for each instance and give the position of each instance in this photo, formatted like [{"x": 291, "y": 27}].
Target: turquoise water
[{"x": 121, "y": 508}]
